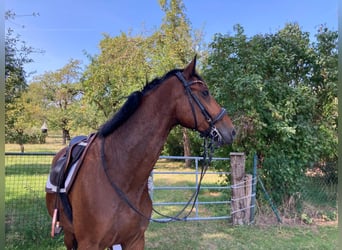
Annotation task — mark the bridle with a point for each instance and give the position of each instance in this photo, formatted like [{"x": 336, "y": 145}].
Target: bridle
[{"x": 212, "y": 131}]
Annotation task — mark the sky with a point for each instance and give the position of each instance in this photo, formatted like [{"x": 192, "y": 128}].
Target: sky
[{"x": 67, "y": 29}]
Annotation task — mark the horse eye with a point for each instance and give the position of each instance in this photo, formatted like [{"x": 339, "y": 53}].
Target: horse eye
[{"x": 205, "y": 93}]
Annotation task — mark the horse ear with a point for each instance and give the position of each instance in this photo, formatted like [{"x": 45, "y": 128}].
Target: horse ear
[{"x": 190, "y": 70}]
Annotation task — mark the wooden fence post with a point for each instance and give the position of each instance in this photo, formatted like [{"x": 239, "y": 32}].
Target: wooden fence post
[
  {"x": 241, "y": 190},
  {"x": 248, "y": 197}
]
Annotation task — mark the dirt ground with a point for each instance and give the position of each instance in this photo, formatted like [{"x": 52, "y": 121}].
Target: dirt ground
[
  {"x": 268, "y": 218},
  {"x": 271, "y": 219}
]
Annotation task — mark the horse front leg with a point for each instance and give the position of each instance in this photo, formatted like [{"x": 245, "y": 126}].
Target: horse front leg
[{"x": 70, "y": 241}]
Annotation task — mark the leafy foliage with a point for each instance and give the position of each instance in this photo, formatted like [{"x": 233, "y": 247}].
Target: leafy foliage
[
  {"x": 173, "y": 46},
  {"x": 16, "y": 56},
  {"x": 118, "y": 70},
  {"x": 127, "y": 62},
  {"x": 274, "y": 87},
  {"x": 58, "y": 95}
]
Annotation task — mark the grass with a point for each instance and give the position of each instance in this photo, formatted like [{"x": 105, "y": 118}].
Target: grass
[
  {"x": 218, "y": 235},
  {"x": 25, "y": 205},
  {"x": 48, "y": 147},
  {"x": 222, "y": 235}
]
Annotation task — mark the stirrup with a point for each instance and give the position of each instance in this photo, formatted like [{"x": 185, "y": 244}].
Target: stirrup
[{"x": 55, "y": 227}]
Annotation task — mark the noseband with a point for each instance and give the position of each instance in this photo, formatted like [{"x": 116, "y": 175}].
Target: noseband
[{"x": 212, "y": 131}]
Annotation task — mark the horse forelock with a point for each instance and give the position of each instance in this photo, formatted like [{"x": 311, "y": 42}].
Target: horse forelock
[{"x": 132, "y": 104}]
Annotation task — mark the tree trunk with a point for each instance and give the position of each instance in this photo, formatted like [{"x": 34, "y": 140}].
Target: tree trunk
[
  {"x": 186, "y": 145},
  {"x": 66, "y": 136},
  {"x": 22, "y": 148},
  {"x": 21, "y": 140}
]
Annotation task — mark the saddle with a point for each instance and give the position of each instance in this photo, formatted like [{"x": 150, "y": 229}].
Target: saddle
[{"x": 64, "y": 172}]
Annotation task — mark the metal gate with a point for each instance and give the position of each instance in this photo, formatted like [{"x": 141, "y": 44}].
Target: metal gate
[{"x": 212, "y": 194}]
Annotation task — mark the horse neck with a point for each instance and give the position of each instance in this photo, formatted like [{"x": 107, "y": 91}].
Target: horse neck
[{"x": 136, "y": 145}]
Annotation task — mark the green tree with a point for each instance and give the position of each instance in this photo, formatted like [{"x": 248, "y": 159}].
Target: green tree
[
  {"x": 60, "y": 96},
  {"x": 126, "y": 62},
  {"x": 27, "y": 120},
  {"x": 119, "y": 69},
  {"x": 266, "y": 83},
  {"x": 324, "y": 84},
  {"x": 16, "y": 56},
  {"x": 175, "y": 44}
]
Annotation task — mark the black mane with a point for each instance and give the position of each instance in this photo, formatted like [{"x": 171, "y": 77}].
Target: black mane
[
  {"x": 131, "y": 105},
  {"x": 157, "y": 81}
]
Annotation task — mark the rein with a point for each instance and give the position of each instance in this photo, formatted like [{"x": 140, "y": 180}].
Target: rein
[
  {"x": 207, "y": 157},
  {"x": 114, "y": 186}
]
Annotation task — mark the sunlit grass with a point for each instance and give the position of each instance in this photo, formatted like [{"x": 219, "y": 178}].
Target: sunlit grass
[
  {"x": 52, "y": 145},
  {"x": 221, "y": 235}
]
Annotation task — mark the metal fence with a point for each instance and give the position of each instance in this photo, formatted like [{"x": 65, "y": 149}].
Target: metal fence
[
  {"x": 26, "y": 217},
  {"x": 207, "y": 206}
]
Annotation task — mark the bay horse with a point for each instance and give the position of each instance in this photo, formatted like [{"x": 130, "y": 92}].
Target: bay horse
[{"x": 109, "y": 198}]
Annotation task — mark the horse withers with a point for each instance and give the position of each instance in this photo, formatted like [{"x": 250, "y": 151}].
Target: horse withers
[{"x": 109, "y": 198}]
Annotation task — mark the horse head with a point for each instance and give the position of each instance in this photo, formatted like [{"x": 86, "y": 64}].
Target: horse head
[{"x": 198, "y": 110}]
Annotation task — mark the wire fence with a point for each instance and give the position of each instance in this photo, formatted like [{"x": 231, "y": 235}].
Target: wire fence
[
  {"x": 317, "y": 197},
  {"x": 25, "y": 211},
  {"x": 315, "y": 201}
]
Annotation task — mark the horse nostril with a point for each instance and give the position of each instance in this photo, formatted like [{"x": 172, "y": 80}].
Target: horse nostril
[{"x": 233, "y": 133}]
